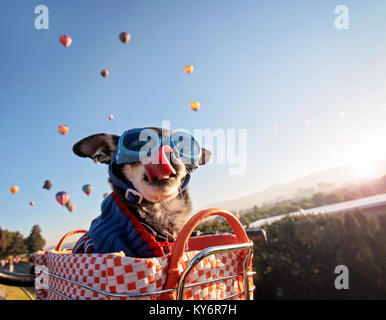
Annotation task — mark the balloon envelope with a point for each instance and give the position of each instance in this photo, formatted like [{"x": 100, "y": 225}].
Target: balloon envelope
[
  {"x": 70, "y": 205},
  {"x": 31, "y": 203},
  {"x": 14, "y": 189},
  {"x": 87, "y": 189},
  {"x": 65, "y": 40},
  {"x": 195, "y": 105},
  {"x": 104, "y": 73},
  {"x": 63, "y": 129},
  {"x": 47, "y": 185},
  {"x": 189, "y": 69},
  {"x": 111, "y": 117},
  {"x": 124, "y": 37},
  {"x": 62, "y": 197}
]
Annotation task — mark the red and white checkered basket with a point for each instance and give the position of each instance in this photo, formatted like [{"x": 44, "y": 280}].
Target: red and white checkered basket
[{"x": 215, "y": 267}]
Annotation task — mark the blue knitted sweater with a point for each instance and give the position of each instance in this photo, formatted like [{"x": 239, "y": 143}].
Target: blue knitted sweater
[{"x": 118, "y": 229}]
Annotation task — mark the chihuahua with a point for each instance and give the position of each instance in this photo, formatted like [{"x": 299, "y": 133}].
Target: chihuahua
[{"x": 149, "y": 172}]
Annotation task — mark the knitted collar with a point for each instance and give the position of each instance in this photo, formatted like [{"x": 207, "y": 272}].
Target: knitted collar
[{"x": 118, "y": 229}]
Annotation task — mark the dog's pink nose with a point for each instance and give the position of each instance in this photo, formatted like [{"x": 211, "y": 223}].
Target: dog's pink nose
[{"x": 158, "y": 165}]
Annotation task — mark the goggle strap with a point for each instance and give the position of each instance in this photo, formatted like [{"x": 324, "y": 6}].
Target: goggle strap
[
  {"x": 186, "y": 182},
  {"x": 131, "y": 194}
]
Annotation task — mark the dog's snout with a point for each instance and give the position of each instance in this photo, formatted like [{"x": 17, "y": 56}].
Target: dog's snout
[{"x": 158, "y": 165}]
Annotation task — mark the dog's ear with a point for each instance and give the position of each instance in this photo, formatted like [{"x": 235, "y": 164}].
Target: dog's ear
[
  {"x": 99, "y": 147},
  {"x": 205, "y": 156}
]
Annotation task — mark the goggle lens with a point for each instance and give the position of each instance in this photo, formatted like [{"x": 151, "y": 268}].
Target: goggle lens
[
  {"x": 188, "y": 148},
  {"x": 136, "y": 144}
]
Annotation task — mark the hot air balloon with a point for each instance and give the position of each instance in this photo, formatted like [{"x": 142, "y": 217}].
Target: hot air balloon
[
  {"x": 111, "y": 117},
  {"x": 124, "y": 37},
  {"x": 70, "y": 205},
  {"x": 189, "y": 69},
  {"x": 105, "y": 195},
  {"x": 87, "y": 189},
  {"x": 31, "y": 203},
  {"x": 104, "y": 73},
  {"x": 62, "y": 197},
  {"x": 63, "y": 129},
  {"x": 65, "y": 40},
  {"x": 47, "y": 185},
  {"x": 195, "y": 105},
  {"x": 14, "y": 189}
]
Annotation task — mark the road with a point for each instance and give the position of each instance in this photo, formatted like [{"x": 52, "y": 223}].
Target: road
[{"x": 21, "y": 267}]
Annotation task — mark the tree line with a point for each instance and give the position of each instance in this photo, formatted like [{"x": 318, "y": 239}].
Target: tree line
[
  {"x": 13, "y": 243},
  {"x": 299, "y": 259},
  {"x": 346, "y": 193}
]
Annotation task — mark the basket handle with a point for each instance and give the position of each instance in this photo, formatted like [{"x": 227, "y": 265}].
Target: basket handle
[
  {"x": 66, "y": 236},
  {"x": 183, "y": 237}
]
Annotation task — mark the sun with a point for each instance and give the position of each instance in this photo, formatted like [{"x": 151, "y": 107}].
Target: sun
[{"x": 365, "y": 167}]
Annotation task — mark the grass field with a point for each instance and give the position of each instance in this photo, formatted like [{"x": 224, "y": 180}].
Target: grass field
[{"x": 14, "y": 293}]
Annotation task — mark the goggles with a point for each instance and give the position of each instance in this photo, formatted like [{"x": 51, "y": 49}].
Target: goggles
[{"x": 136, "y": 145}]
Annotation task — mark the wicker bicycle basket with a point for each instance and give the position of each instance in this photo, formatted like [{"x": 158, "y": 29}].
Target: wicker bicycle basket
[{"x": 215, "y": 267}]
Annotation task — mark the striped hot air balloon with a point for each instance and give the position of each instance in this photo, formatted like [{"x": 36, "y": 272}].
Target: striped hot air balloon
[
  {"x": 70, "y": 205},
  {"x": 62, "y": 197},
  {"x": 65, "y": 40},
  {"x": 87, "y": 189}
]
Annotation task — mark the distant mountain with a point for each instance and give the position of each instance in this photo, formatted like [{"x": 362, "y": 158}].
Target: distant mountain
[
  {"x": 68, "y": 245},
  {"x": 321, "y": 181}
]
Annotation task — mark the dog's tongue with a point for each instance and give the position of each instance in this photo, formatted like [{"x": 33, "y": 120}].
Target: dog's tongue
[{"x": 158, "y": 165}]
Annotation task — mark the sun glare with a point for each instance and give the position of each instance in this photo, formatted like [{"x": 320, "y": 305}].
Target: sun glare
[{"x": 365, "y": 167}]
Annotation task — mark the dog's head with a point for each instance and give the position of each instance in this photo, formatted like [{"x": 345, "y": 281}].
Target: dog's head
[{"x": 152, "y": 180}]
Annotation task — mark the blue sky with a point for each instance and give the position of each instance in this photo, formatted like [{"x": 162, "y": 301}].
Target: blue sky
[{"x": 257, "y": 63}]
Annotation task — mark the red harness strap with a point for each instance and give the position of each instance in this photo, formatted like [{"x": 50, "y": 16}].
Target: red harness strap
[{"x": 159, "y": 248}]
